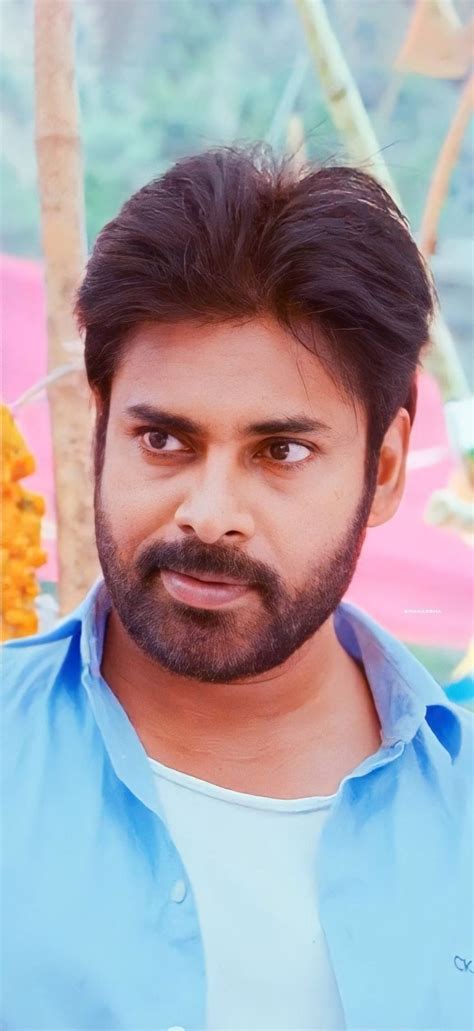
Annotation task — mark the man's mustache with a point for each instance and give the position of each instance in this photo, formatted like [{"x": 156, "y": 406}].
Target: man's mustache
[{"x": 193, "y": 557}]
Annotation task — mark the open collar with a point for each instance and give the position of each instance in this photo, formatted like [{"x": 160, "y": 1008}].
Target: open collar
[{"x": 405, "y": 694}]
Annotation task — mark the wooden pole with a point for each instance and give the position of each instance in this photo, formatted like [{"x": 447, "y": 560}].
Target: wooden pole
[
  {"x": 62, "y": 220},
  {"x": 350, "y": 117},
  {"x": 444, "y": 166}
]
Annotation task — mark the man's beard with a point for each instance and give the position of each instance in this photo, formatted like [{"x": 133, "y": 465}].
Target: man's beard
[{"x": 221, "y": 646}]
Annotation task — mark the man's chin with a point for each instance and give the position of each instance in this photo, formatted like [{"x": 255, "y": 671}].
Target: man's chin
[
  {"x": 203, "y": 644},
  {"x": 199, "y": 663}
]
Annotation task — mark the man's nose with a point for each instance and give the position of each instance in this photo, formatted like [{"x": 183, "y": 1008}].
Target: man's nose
[{"x": 213, "y": 506}]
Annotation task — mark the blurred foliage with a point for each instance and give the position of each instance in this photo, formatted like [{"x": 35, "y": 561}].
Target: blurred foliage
[
  {"x": 440, "y": 662},
  {"x": 159, "y": 79}
]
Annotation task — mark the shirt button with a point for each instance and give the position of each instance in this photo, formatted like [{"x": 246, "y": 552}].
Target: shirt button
[{"x": 178, "y": 893}]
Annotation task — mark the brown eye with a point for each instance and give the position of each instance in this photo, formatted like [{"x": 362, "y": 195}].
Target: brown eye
[
  {"x": 288, "y": 452},
  {"x": 158, "y": 440}
]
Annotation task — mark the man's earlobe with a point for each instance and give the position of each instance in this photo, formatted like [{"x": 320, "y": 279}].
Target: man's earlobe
[{"x": 391, "y": 470}]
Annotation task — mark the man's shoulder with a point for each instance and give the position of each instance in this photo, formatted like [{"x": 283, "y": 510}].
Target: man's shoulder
[
  {"x": 440, "y": 769},
  {"x": 42, "y": 708},
  {"x": 31, "y": 665}
]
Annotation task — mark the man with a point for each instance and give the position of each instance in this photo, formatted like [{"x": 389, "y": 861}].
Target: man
[{"x": 233, "y": 800}]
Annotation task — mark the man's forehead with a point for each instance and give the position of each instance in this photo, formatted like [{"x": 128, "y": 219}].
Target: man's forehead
[
  {"x": 255, "y": 345},
  {"x": 255, "y": 369}
]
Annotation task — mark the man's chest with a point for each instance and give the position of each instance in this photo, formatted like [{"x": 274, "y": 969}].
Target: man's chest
[{"x": 96, "y": 922}]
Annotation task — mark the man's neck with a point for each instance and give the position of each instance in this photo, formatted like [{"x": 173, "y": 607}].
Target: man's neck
[{"x": 292, "y": 732}]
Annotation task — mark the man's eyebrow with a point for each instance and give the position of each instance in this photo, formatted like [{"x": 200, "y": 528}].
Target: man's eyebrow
[
  {"x": 290, "y": 424},
  {"x": 169, "y": 421},
  {"x": 165, "y": 420}
]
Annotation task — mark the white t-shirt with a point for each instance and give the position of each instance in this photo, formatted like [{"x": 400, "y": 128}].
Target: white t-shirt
[{"x": 251, "y": 862}]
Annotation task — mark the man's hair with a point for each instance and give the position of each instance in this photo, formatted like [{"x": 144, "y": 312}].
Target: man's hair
[{"x": 234, "y": 233}]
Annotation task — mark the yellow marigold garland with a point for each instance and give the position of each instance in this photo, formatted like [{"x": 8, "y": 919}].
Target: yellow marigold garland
[{"x": 21, "y": 551}]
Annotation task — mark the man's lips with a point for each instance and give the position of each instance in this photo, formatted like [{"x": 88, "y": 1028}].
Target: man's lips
[
  {"x": 210, "y": 578},
  {"x": 202, "y": 591}
]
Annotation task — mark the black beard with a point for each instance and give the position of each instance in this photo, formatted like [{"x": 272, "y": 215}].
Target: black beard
[{"x": 223, "y": 646}]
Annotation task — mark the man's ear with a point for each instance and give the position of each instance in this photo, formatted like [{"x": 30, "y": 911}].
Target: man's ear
[{"x": 391, "y": 470}]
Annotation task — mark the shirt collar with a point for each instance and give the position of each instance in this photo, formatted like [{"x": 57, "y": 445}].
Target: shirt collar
[{"x": 404, "y": 692}]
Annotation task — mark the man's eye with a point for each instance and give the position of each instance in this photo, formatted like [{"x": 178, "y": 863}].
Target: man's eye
[
  {"x": 288, "y": 452},
  {"x": 158, "y": 440}
]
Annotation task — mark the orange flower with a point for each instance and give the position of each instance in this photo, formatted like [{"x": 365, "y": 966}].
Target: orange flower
[{"x": 21, "y": 551}]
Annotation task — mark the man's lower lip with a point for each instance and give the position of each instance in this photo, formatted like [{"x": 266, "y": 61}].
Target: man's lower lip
[{"x": 201, "y": 593}]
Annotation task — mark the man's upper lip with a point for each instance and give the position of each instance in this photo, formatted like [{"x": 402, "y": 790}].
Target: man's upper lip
[{"x": 210, "y": 577}]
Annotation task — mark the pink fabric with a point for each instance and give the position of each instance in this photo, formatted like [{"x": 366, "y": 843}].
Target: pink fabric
[
  {"x": 405, "y": 564},
  {"x": 24, "y": 362}
]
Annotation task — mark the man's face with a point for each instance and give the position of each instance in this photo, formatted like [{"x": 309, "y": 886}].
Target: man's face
[{"x": 201, "y": 476}]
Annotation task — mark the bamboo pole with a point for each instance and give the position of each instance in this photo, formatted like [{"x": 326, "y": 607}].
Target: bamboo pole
[
  {"x": 287, "y": 100},
  {"x": 443, "y": 170},
  {"x": 62, "y": 221},
  {"x": 295, "y": 143},
  {"x": 351, "y": 119},
  {"x": 344, "y": 100}
]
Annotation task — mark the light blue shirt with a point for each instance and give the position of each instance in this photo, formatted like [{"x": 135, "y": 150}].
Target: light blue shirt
[{"x": 99, "y": 925}]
